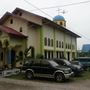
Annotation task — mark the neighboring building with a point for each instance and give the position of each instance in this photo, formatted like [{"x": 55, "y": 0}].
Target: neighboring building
[
  {"x": 86, "y": 48},
  {"x": 20, "y": 30}
]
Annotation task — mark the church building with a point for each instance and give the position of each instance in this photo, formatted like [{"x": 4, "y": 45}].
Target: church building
[{"x": 22, "y": 30}]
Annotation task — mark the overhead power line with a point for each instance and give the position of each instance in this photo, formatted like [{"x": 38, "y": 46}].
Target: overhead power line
[
  {"x": 71, "y": 4},
  {"x": 37, "y": 8}
]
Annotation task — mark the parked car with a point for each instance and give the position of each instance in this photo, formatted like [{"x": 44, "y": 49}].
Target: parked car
[
  {"x": 74, "y": 62},
  {"x": 85, "y": 61},
  {"x": 75, "y": 68},
  {"x": 46, "y": 68}
]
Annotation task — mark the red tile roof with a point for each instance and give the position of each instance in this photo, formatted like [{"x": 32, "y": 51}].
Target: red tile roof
[{"x": 12, "y": 31}]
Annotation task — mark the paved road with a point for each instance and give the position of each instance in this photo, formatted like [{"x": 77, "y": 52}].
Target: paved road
[{"x": 11, "y": 84}]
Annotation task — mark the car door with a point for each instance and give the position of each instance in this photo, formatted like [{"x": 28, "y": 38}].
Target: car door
[
  {"x": 36, "y": 67},
  {"x": 46, "y": 68}
]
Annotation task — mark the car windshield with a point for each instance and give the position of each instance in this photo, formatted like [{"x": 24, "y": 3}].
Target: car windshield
[
  {"x": 67, "y": 62},
  {"x": 75, "y": 62},
  {"x": 54, "y": 64}
]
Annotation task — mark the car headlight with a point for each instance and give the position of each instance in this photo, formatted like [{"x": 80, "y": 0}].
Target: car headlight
[{"x": 66, "y": 71}]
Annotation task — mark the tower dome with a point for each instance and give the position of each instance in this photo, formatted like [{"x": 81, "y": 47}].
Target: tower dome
[{"x": 58, "y": 18}]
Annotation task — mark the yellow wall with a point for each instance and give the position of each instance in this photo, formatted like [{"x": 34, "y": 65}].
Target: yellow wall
[
  {"x": 34, "y": 39},
  {"x": 58, "y": 35},
  {"x": 17, "y": 23},
  {"x": 49, "y": 33},
  {"x": 31, "y": 17}
]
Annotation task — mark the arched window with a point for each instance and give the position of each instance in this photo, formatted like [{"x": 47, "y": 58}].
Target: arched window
[
  {"x": 61, "y": 23},
  {"x": 11, "y": 21},
  {"x": 68, "y": 46},
  {"x": 62, "y": 45},
  {"x": 59, "y": 44},
  {"x": 20, "y": 29},
  {"x": 48, "y": 41},
  {"x": 20, "y": 14},
  {"x": 45, "y": 41}
]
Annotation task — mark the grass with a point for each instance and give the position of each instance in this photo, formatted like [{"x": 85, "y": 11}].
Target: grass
[
  {"x": 19, "y": 77},
  {"x": 84, "y": 76}
]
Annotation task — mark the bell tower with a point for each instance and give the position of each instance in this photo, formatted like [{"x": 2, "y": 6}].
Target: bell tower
[{"x": 60, "y": 20}]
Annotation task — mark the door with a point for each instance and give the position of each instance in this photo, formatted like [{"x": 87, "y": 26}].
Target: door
[
  {"x": 68, "y": 56},
  {"x": 13, "y": 55},
  {"x": 46, "y": 68}
]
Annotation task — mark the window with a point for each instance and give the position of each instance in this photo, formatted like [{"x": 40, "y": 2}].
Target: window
[
  {"x": 1, "y": 56},
  {"x": 45, "y": 54},
  {"x": 45, "y": 41},
  {"x": 44, "y": 63},
  {"x": 68, "y": 46},
  {"x": 60, "y": 54},
  {"x": 57, "y": 54},
  {"x": 20, "y": 14},
  {"x": 59, "y": 44},
  {"x": 62, "y": 45},
  {"x": 11, "y": 21},
  {"x": 52, "y": 54},
  {"x": 51, "y": 42},
  {"x": 61, "y": 23},
  {"x": 63, "y": 55},
  {"x": 56, "y": 43},
  {"x": 48, "y": 41},
  {"x": 48, "y": 54},
  {"x": 20, "y": 29}
]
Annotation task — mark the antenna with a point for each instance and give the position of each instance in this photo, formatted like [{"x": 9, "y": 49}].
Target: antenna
[{"x": 61, "y": 11}]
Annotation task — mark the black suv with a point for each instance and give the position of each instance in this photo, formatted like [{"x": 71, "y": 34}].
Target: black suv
[
  {"x": 46, "y": 68},
  {"x": 77, "y": 69}
]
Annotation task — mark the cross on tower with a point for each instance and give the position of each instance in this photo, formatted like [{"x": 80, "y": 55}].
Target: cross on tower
[{"x": 59, "y": 11}]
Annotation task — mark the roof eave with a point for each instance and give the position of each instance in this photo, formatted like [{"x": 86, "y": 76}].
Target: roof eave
[{"x": 47, "y": 21}]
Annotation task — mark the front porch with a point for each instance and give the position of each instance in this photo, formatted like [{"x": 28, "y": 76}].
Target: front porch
[{"x": 10, "y": 56}]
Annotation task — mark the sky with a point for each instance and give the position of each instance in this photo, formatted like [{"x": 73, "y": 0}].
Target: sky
[{"x": 77, "y": 16}]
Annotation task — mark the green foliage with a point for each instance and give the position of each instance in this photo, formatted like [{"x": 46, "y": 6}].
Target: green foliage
[
  {"x": 84, "y": 54},
  {"x": 84, "y": 76},
  {"x": 19, "y": 57},
  {"x": 39, "y": 56}
]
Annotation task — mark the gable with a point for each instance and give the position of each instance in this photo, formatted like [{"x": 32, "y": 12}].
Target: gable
[{"x": 28, "y": 16}]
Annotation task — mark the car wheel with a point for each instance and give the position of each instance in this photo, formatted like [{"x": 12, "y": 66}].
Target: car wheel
[
  {"x": 59, "y": 77},
  {"x": 29, "y": 75}
]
